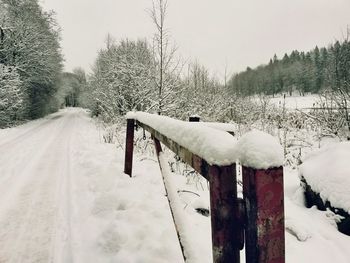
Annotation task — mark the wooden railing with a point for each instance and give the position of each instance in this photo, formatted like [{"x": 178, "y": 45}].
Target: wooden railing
[{"x": 257, "y": 220}]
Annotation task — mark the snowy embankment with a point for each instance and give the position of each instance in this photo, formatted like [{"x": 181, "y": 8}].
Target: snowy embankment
[
  {"x": 327, "y": 171},
  {"x": 311, "y": 234},
  {"x": 64, "y": 198},
  {"x": 123, "y": 219}
]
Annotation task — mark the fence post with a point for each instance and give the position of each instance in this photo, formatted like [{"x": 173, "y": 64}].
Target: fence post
[
  {"x": 129, "y": 146},
  {"x": 224, "y": 214},
  {"x": 264, "y": 200},
  {"x": 194, "y": 118}
]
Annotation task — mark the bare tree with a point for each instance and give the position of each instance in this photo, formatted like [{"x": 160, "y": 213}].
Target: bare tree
[
  {"x": 225, "y": 75},
  {"x": 167, "y": 69}
]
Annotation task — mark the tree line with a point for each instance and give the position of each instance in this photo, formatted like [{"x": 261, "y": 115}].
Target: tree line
[
  {"x": 303, "y": 72},
  {"x": 30, "y": 61},
  {"x": 145, "y": 75},
  {"x": 148, "y": 76}
]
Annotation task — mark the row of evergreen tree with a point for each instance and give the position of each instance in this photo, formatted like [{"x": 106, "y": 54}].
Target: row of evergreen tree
[
  {"x": 310, "y": 72},
  {"x": 30, "y": 61}
]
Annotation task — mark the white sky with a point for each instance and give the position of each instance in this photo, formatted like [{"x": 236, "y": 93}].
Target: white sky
[{"x": 238, "y": 33}]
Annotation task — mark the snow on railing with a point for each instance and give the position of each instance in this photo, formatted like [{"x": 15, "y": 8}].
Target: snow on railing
[
  {"x": 256, "y": 220},
  {"x": 214, "y": 146}
]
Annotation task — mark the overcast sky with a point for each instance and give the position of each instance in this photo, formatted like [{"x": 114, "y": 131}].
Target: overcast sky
[{"x": 238, "y": 33}]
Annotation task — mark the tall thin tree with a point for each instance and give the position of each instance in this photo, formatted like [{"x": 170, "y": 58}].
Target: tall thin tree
[{"x": 158, "y": 14}]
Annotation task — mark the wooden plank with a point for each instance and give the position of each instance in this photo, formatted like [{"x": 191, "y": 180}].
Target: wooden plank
[
  {"x": 158, "y": 148},
  {"x": 264, "y": 197},
  {"x": 129, "y": 147}
]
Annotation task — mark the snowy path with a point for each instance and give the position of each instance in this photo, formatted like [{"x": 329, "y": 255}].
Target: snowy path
[
  {"x": 34, "y": 191},
  {"x": 64, "y": 197}
]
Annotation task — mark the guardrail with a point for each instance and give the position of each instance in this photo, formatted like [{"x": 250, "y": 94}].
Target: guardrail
[{"x": 257, "y": 220}]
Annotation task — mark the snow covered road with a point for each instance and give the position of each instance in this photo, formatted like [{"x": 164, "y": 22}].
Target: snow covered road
[
  {"x": 64, "y": 197},
  {"x": 35, "y": 191}
]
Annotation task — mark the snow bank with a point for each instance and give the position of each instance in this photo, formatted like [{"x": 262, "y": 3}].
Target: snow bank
[
  {"x": 259, "y": 150},
  {"x": 214, "y": 146},
  {"x": 256, "y": 149},
  {"x": 327, "y": 171},
  {"x": 118, "y": 218}
]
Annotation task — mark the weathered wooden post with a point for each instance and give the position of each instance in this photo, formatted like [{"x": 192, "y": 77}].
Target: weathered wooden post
[
  {"x": 225, "y": 224},
  {"x": 129, "y": 146},
  {"x": 264, "y": 200}
]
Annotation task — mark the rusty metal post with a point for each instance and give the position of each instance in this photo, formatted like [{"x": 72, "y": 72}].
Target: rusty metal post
[
  {"x": 225, "y": 225},
  {"x": 129, "y": 146},
  {"x": 264, "y": 200}
]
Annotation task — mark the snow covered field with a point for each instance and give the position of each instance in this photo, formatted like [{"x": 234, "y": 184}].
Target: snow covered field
[
  {"x": 64, "y": 198},
  {"x": 296, "y": 102}
]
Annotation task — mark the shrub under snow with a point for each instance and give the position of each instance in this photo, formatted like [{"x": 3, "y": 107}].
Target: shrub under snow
[
  {"x": 11, "y": 96},
  {"x": 327, "y": 171}
]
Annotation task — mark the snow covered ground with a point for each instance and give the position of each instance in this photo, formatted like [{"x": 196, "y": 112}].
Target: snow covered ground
[
  {"x": 296, "y": 102},
  {"x": 64, "y": 198}
]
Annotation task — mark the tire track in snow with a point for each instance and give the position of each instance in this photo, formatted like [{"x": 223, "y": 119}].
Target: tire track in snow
[
  {"x": 61, "y": 249},
  {"x": 22, "y": 136},
  {"x": 16, "y": 160}
]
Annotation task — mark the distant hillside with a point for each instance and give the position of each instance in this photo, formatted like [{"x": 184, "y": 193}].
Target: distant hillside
[{"x": 307, "y": 72}]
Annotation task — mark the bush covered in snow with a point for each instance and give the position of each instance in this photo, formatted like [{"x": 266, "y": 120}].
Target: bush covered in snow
[
  {"x": 11, "y": 96},
  {"x": 31, "y": 58}
]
